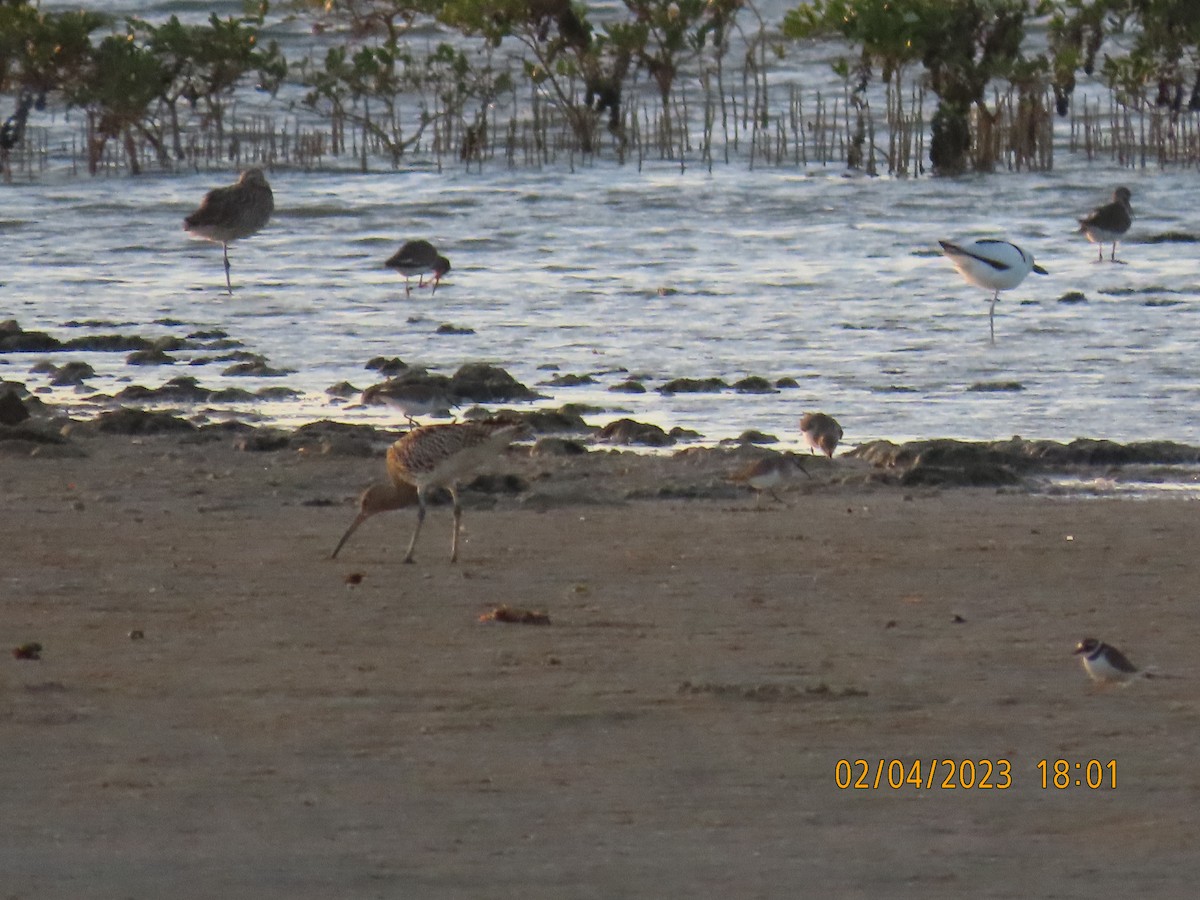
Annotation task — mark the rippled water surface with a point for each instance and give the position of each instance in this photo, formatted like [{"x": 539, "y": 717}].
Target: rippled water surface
[{"x": 834, "y": 281}]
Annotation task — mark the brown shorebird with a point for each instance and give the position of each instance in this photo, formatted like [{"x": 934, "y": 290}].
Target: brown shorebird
[
  {"x": 232, "y": 212},
  {"x": 1108, "y": 223},
  {"x": 412, "y": 398},
  {"x": 440, "y": 455},
  {"x": 380, "y": 497},
  {"x": 768, "y": 473},
  {"x": 417, "y": 258},
  {"x": 820, "y": 432}
]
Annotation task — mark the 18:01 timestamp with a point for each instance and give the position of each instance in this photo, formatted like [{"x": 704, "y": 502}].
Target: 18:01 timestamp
[{"x": 1061, "y": 774}]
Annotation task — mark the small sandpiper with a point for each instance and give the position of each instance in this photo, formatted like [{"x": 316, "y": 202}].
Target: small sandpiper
[
  {"x": 417, "y": 258},
  {"x": 1108, "y": 223},
  {"x": 820, "y": 432},
  {"x": 768, "y": 473},
  {"x": 413, "y": 399},
  {"x": 1106, "y": 664}
]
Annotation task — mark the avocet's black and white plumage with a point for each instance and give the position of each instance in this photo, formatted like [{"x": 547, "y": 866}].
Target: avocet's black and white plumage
[
  {"x": 993, "y": 265},
  {"x": 1108, "y": 223}
]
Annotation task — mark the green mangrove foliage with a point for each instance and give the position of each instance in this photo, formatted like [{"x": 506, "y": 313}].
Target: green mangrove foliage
[
  {"x": 1160, "y": 64},
  {"x": 370, "y": 81},
  {"x": 391, "y": 73},
  {"x": 130, "y": 81},
  {"x": 964, "y": 46}
]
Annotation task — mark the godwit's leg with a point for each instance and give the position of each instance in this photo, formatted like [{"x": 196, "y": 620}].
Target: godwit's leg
[
  {"x": 1100, "y": 258},
  {"x": 407, "y": 289},
  {"x": 228, "y": 284},
  {"x": 992, "y": 316},
  {"x": 457, "y": 524},
  {"x": 408, "y": 557}
]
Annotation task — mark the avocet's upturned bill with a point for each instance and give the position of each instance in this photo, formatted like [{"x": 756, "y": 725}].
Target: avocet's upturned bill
[{"x": 993, "y": 265}]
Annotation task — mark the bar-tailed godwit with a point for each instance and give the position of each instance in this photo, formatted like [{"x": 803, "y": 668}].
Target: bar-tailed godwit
[
  {"x": 232, "y": 212},
  {"x": 441, "y": 455},
  {"x": 382, "y": 496}
]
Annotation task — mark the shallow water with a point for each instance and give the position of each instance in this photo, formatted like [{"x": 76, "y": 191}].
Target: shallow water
[{"x": 805, "y": 273}]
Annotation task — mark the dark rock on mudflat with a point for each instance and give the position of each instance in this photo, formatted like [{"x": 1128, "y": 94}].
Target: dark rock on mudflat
[
  {"x": 32, "y": 433},
  {"x": 210, "y": 334},
  {"x": 754, "y": 384},
  {"x": 484, "y": 383},
  {"x": 996, "y": 387},
  {"x": 752, "y": 436},
  {"x": 151, "y": 357},
  {"x": 1073, "y": 297},
  {"x": 628, "y": 387},
  {"x": 28, "y": 342},
  {"x": 557, "y": 446},
  {"x": 489, "y": 483},
  {"x": 1171, "y": 237},
  {"x": 693, "y": 386},
  {"x": 569, "y": 380},
  {"x": 12, "y": 409},
  {"x": 230, "y": 395},
  {"x": 386, "y": 366},
  {"x": 183, "y": 389},
  {"x": 447, "y": 328},
  {"x": 627, "y": 431},
  {"x": 257, "y": 367},
  {"x": 545, "y": 421},
  {"x": 343, "y": 389},
  {"x": 109, "y": 343},
  {"x": 128, "y": 420},
  {"x": 264, "y": 440},
  {"x": 71, "y": 373},
  {"x": 277, "y": 393},
  {"x": 786, "y": 382},
  {"x": 1004, "y": 462}
]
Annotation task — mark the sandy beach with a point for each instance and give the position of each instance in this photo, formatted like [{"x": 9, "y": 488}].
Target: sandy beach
[{"x": 221, "y": 710}]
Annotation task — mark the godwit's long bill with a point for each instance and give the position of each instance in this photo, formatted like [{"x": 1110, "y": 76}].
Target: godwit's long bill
[
  {"x": 380, "y": 497},
  {"x": 233, "y": 212},
  {"x": 993, "y": 265},
  {"x": 1108, "y": 223},
  {"x": 441, "y": 455},
  {"x": 417, "y": 258}
]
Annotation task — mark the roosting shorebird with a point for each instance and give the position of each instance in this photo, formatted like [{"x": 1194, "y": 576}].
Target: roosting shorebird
[
  {"x": 441, "y": 455},
  {"x": 820, "y": 432},
  {"x": 380, "y": 497},
  {"x": 993, "y": 265},
  {"x": 232, "y": 212},
  {"x": 1108, "y": 223},
  {"x": 418, "y": 258}
]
